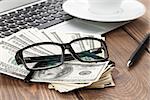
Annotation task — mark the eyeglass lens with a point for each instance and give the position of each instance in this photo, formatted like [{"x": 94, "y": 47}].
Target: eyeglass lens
[
  {"x": 43, "y": 56},
  {"x": 88, "y": 50}
]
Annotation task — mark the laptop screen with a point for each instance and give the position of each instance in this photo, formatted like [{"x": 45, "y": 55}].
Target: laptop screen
[{"x": 11, "y": 4}]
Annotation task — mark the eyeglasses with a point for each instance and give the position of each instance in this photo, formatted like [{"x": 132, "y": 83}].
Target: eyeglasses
[{"x": 47, "y": 55}]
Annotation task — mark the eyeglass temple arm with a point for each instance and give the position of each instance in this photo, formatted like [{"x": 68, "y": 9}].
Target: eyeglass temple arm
[
  {"x": 45, "y": 58},
  {"x": 68, "y": 57},
  {"x": 30, "y": 74}
]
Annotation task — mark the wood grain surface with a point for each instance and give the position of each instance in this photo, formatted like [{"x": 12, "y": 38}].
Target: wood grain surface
[{"x": 131, "y": 84}]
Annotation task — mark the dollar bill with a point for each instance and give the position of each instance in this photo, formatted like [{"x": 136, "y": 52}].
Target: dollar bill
[{"x": 73, "y": 73}]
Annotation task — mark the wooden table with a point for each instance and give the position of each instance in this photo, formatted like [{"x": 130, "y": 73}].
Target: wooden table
[{"x": 133, "y": 84}]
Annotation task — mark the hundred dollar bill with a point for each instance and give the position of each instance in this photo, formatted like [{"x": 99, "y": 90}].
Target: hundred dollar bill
[{"x": 73, "y": 73}]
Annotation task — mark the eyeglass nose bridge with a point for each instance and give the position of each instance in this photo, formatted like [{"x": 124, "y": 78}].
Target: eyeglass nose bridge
[{"x": 68, "y": 47}]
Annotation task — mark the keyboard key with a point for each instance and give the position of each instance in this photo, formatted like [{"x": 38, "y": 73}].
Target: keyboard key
[
  {"x": 23, "y": 26},
  {"x": 33, "y": 8},
  {"x": 22, "y": 15},
  {"x": 41, "y": 10},
  {"x": 37, "y": 6},
  {"x": 29, "y": 19},
  {"x": 2, "y": 36},
  {"x": 34, "y": 24},
  {"x": 16, "y": 15},
  {"x": 49, "y": 18},
  {"x": 63, "y": 13},
  {"x": 7, "y": 33},
  {"x": 19, "y": 11},
  {"x": 2, "y": 24},
  {"x": 19, "y": 18},
  {"x": 66, "y": 17},
  {"x": 9, "y": 21},
  {"x": 53, "y": 2},
  {"x": 12, "y": 26},
  {"x": 34, "y": 13},
  {"x": 58, "y": 9},
  {"x": 42, "y": 21},
  {"x": 57, "y": 5},
  {"x": 57, "y": 15},
  {"x": 51, "y": 7},
  {"x": 28, "y": 8},
  {"x": 24, "y": 12},
  {"x": 8, "y": 17},
  {"x": 3, "y": 29},
  {"x": 49, "y": 2},
  {"x": 51, "y": 23},
  {"x": 12, "y": 13},
  {"x": 52, "y": 11},
  {"x": 43, "y": 3},
  {"x": 21, "y": 23},
  {"x": 37, "y": 17},
  {"x": 45, "y": 14},
  {"x": 4, "y": 16},
  {"x": 1, "y": 19},
  {"x": 15, "y": 30},
  {"x": 28, "y": 15}
]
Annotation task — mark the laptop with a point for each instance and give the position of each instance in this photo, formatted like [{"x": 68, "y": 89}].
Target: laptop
[{"x": 45, "y": 14}]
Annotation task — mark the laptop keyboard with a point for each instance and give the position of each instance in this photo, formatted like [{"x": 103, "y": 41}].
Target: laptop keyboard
[{"x": 42, "y": 15}]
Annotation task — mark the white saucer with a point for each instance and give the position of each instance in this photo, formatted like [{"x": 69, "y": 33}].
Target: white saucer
[{"x": 129, "y": 10}]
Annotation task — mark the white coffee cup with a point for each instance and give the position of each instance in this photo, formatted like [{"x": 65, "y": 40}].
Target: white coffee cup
[{"x": 104, "y": 6}]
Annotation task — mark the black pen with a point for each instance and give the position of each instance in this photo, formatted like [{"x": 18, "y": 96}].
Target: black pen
[{"x": 139, "y": 50}]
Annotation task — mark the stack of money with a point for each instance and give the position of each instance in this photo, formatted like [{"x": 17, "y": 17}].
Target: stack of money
[
  {"x": 104, "y": 80},
  {"x": 67, "y": 77}
]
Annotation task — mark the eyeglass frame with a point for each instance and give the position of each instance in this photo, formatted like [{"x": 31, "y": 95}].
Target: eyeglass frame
[{"x": 20, "y": 59}]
